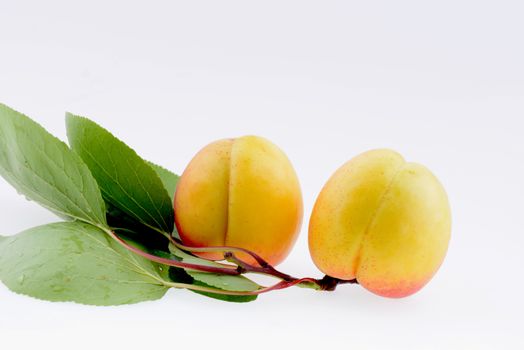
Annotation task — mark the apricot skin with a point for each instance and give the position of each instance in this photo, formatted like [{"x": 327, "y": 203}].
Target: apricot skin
[
  {"x": 243, "y": 193},
  {"x": 382, "y": 221}
]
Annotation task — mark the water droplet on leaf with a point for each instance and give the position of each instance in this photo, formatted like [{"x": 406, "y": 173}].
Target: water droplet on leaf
[{"x": 57, "y": 288}]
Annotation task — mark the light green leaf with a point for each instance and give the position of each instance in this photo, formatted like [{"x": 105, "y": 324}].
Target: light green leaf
[
  {"x": 44, "y": 169},
  {"x": 77, "y": 262},
  {"x": 117, "y": 218},
  {"x": 3, "y": 239},
  {"x": 224, "y": 297},
  {"x": 126, "y": 180},
  {"x": 169, "y": 179},
  {"x": 181, "y": 276},
  {"x": 225, "y": 282}
]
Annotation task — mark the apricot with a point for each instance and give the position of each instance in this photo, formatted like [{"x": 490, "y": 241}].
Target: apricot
[
  {"x": 243, "y": 193},
  {"x": 382, "y": 221}
]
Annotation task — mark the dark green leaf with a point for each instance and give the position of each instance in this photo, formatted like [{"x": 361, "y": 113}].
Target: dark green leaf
[
  {"x": 44, "y": 169},
  {"x": 138, "y": 232},
  {"x": 181, "y": 276},
  {"x": 126, "y": 180},
  {"x": 77, "y": 262}
]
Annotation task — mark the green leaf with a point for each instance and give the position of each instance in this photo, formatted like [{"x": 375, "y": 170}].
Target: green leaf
[
  {"x": 169, "y": 179},
  {"x": 138, "y": 231},
  {"x": 224, "y": 297},
  {"x": 77, "y": 262},
  {"x": 3, "y": 239},
  {"x": 44, "y": 169},
  {"x": 126, "y": 180},
  {"x": 181, "y": 276},
  {"x": 225, "y": 282}
]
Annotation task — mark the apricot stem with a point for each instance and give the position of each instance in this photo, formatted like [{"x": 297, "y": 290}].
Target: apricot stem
[{"x": 329, "y": 283}]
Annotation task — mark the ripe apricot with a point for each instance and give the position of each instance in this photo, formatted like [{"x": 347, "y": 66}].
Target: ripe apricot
[
  {"x": 240, "y": 192},
  {"x": 382, "y": 221}
]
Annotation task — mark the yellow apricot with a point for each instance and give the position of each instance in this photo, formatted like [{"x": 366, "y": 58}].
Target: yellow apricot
[
  {"x": 243, "y": 193},
  {"x": 382, "y": 221}
]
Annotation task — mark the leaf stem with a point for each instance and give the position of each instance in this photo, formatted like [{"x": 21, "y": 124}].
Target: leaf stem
[
  {"x": 248, "y": 268},
  {"x": 224, "y": 249},
  {"x": 170, "y": 262}
]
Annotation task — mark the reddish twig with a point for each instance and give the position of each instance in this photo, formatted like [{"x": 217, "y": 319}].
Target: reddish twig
[
  {"x": 248, "y": 268},
  {"x": 170, "y": 262},
  {"x": 261, "y": 261}
]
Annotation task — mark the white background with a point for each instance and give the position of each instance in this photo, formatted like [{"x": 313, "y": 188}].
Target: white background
[{"x": 442, "y": 82}]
